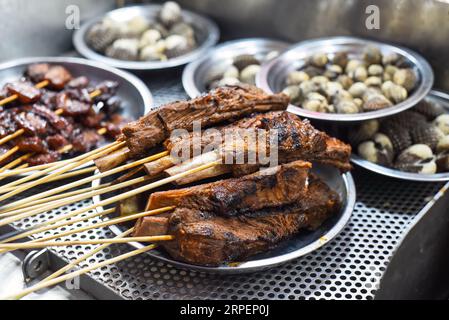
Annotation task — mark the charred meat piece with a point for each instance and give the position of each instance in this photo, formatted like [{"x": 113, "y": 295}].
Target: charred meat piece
[
  {"x": 31, "y": 144},
  {"x": 36, "y": 72},
  {"x": 58, "y": 76},
  {"x": 92, "y": 119},
  {"x": 86, "y": 140},
  {"x": 48, "y": 99},
  {"x": 8, "y": 123},
  {"x": 56, "y": 141},
  {"x": 218, "y": 106},
  {"x": 31, "y": 123},
  {"x": 78, "y": 83},
  {"x": 271, "y": 187},
  {"x": 115, "y": 124},
  {"x": 108, "y": 89},
  {"x": 144, "y": 134},
  {"x": 43, "y": 158},
  {"x": 296, "y": 140},
  {"x": 25, "y": 91},
  {"x": 59, "y": 123},
  {"x": 204, "y": 238},
  {"x": 74, "y": 102}
]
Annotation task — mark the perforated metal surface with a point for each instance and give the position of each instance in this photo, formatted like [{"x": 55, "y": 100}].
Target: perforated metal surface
[{"x": 349, "y": 267}]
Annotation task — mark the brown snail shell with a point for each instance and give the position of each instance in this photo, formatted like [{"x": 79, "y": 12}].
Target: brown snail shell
[
  {"x": 405, "y": 78},
  {"x": 372, "y": 55},
  {"x": 341, "y": 59},
  {"x": 101, "y": 35},
  {"x": 363, "y": 132},
  {"x": 378, "y": 150},
  {"x": 442, "y": 161},
  {"x": 124, "y": 49},
  {"x": 376, "y": 102}
]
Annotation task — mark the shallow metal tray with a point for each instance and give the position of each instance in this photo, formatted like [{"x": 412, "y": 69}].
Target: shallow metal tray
[
  {"x": 303, "y": 243},
  {"x": 136, "y": 98},
  {"x": 197, "y": 74},
  {"x": 272, "y": 75},
  {"x": 437, "y": 96},
  {"x": 207, "y": 34}
]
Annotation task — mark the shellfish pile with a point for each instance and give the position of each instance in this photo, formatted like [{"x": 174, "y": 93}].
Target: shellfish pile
[
  {"x": 138, "y": 39},
  {"x": 243, "y": 69},
  {"x": 416, "y": 140},
  {"x": 339, "y": 83}
]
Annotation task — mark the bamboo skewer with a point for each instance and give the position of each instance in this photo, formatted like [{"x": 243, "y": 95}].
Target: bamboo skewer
[
  {"x": 89, "y": 227},
  {"x": 66, "y": 201},
  {"x": 44, "y": 244},
  {"x": 58, "y": 165},
  {"x": 61, "y": 177},
  {"x": 39, "y": 203},
  {"x": 9, "y": 153},
  {"x": 86, "y": 180},
  {"x": 77, "y": 261},
  {"x": 120, "y": 197},
  {"x": 62, "y": 169},
  {"x": 74, "y": 274}
]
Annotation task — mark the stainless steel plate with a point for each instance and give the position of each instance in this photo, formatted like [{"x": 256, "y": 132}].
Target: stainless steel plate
[
  {"x": 272, "y": 76},
  {"x": 136, "y": 98},
  {"x": 300, "y": 245},
  {"x": 437, "y": 96},
  {"x": 206, "y": 30},
  {"x": 197, "y": 74}
]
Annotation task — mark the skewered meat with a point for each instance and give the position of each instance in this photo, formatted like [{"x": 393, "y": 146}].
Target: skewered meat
[
  {"x": 86, "y": 140},
  {"x": 108, "y": 89},
  {"x": 31, "y": 123},
  {"x": 205, "y": 238},
  {"x": 36, "y": 72},
  {"x": 56, "y": 142},
  {"x": 43, "y": 158},
  {"x": 92, "y": 119},
  {"x": 59, "y": 123},
  {"x": 112, "y": 160},
  {"x": 78, "y": 83},
  {"x": 58, "y": 76},
  {"x": 115, "y": 124},
  {"x": 26, "y": 92},
  {"x": 271, "y": 187},
  {"x": 74, "y": 102},
  {"x": 31, "y": 144},
  {"x": 218, "y": 106},
  {"x": 7, "y": 123},
  {"x": 296, "y": 140}
]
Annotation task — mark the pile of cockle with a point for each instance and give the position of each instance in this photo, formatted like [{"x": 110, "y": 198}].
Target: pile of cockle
[
  {"x": 243, "y": 69},
  {"x": 169, "y": 36},
  {"x": 415, "y": 140},
  {"x": 340, "y": 83}
]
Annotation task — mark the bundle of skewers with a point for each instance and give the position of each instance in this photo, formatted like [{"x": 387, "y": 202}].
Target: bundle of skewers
[
  {"x": 215, "y": 209},
  {"x": 48, "y": 115}
]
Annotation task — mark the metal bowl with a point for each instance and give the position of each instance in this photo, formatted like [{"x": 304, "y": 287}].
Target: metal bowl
[
  {"x": 303, "y": 243},
  {"x": 272, "y": 76},
  {"x": 437, "y": 96},
  {"x": 207, "y": 34},
  {"x": 197, "y": 74},
  {"x": 136, "y": 98}
]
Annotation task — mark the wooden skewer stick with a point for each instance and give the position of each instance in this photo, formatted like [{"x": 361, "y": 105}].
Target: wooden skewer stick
[
  {"x": 94, "y": 226},
  {"x": 66, "y": 201},
  {"x": 9, "y": 153},
  {"x": 62, "y": 169},
  {"x": 60, "y": 164},
  {"x": 74, "y": 274},
  {"x": 44, "y": 244},
  {"x": 46, "y": 201},
  {"x": 124, "y": 196},
  {"x": 61, "y": 177},
  {"x": 77, "y": 261},
  {"x": 86, "y": 180}
]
